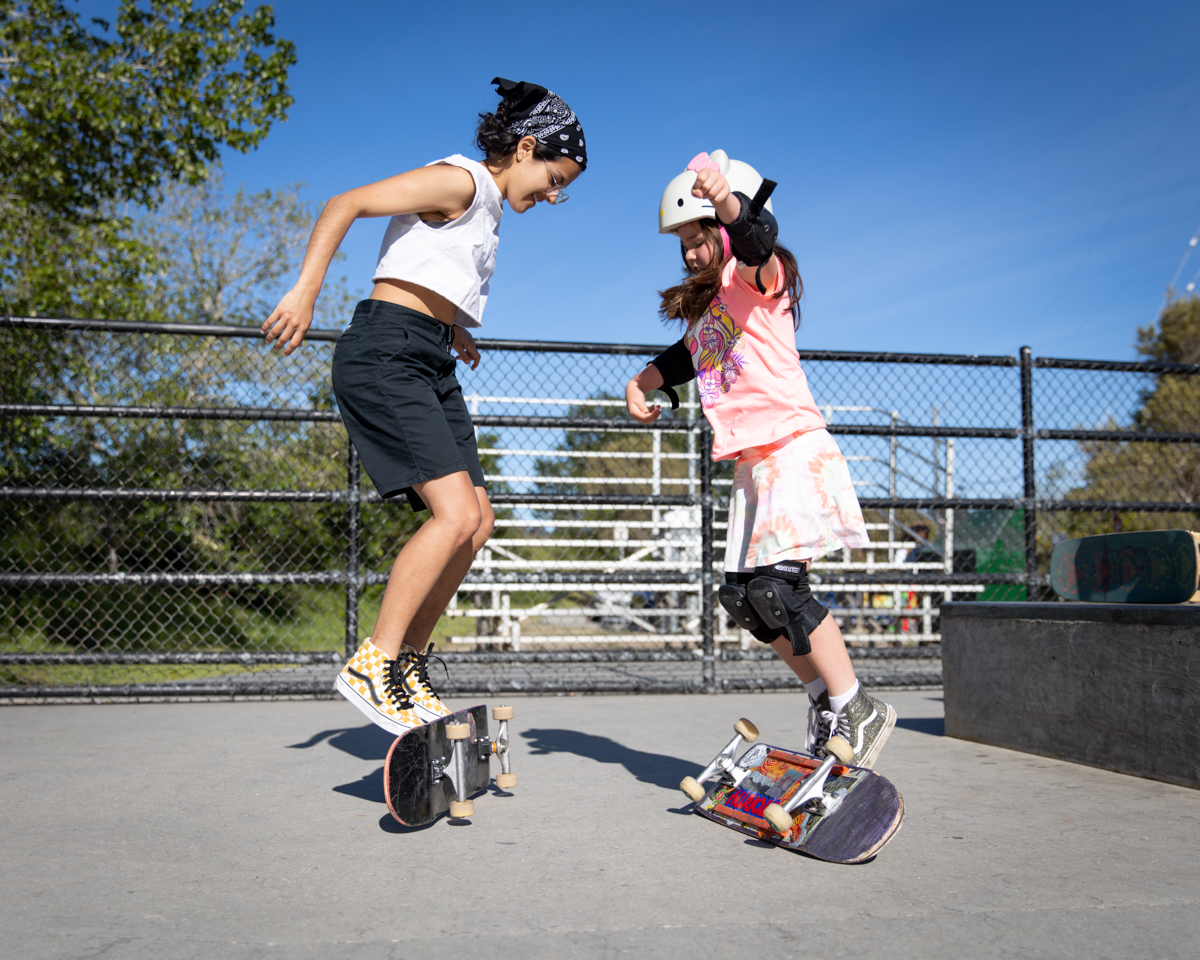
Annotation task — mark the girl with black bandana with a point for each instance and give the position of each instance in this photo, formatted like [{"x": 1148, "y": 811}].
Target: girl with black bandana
[{"x": 393, "y": 369}]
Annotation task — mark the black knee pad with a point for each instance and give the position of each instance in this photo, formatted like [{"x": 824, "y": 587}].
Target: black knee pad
[
  {"x": 781, "y": 599},
  {"x": 732, "y": 596}
]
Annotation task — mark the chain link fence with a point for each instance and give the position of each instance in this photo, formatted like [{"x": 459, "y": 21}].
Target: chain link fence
[{"x": 182, "y": 515}]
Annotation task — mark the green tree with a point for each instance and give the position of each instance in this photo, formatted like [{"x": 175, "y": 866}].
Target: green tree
[
  {"x": 220, "y": 258},
  {"x": 93, "y": 117},
  {"x": 1151, "y": 471}
]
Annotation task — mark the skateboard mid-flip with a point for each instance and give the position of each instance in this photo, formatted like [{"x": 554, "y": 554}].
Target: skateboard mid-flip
[
  {"x": 1148, "y": 566},
  {"x": 441, "y": 766},
  {"x": 822, "y": 807}
]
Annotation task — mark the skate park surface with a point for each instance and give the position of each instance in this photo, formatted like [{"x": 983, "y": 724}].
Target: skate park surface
[{"x": 259, "y": 829}]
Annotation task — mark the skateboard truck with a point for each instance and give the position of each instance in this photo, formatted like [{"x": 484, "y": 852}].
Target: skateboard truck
[
  {"x": 812, "y": 789},
  {"x": 723, "y": 763},
  {"x": 459, "y": 736},
  {"x": 505, "y": 778}
]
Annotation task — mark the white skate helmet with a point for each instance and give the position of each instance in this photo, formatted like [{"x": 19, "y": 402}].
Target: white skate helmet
[{"x": 678, "y": 206}]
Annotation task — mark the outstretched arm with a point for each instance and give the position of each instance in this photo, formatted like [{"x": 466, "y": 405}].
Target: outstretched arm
[
  {"x": 711, "y": 185},
  {"x": 442, "y": 189}
]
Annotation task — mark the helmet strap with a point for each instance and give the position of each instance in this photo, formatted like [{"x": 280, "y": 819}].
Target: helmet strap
[{"x": 725, "y": 244}]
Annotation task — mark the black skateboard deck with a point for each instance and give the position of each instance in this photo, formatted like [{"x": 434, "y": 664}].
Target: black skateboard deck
[
  {"x": 417, "y": 775},
  {"x": 1153, "y": 566}
]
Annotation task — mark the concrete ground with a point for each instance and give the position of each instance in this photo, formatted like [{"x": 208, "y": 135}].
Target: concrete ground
[{"x": 260, "y": 830}]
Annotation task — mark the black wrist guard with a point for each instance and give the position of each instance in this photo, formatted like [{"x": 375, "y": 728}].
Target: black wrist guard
[
  {"x": 752, "y": 235},
  {"x": 675, "y": 364}
]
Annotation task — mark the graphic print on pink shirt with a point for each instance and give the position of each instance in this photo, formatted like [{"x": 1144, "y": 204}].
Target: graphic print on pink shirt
[{"x": 717, "y": 355}]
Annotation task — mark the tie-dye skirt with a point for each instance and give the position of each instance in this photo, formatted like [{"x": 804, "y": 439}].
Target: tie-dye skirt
[{"x": 791, "y": 500}]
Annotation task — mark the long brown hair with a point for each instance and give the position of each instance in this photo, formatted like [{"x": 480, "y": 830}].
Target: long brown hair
[{"x": 687, "y": 301}]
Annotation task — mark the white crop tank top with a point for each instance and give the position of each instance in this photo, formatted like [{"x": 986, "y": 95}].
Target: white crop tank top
[{"x": 454, "y": 258}]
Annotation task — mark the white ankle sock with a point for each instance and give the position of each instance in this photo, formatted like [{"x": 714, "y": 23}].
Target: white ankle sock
[
  {"x": 814, "y": 687},
  {"x": 843, "y": 698}
]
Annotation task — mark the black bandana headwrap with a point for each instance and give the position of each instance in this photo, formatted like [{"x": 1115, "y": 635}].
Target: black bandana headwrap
[{"x": 543, "y": 115}]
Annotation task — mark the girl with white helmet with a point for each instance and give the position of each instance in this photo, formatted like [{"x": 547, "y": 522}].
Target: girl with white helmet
[{"x": 792, "y": 498}]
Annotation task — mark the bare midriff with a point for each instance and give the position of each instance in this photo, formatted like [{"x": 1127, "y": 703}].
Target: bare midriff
[{"x": 415, "y": 297}]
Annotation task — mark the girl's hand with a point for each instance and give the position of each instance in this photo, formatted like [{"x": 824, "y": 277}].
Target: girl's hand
[
  {"x": 464, "y": 347},
  {"x": 289, "y": 322},
  {"x": 711, "y": 185},
  {"x": 635, "y": 399}
]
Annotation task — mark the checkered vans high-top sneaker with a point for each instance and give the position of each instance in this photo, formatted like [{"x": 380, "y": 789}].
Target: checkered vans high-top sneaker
[
  {"x": 865, "y": 723},
  {"x": 820, "y": 722},
  {"x": 415, "y": 673},
  {"x": 375, "y": 685}
]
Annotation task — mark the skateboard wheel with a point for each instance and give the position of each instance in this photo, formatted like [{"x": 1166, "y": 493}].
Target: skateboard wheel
[
  {"x": 462, "y": 808},
  {"x": 502, "y": 713},
  {"x": 747, "y": 730},
  {"x": 506, "y": 780},
  {"x": 458, "y": 731},
  {"x": 778, "y": 818},
  {"x": 840, "y": 749},
  {"x": 692, "y": 788}
]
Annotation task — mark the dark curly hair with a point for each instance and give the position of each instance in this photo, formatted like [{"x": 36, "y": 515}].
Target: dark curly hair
[{"x": 493, "y": 137}]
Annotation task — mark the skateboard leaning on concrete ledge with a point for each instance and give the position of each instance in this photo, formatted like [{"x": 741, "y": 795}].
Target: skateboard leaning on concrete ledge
[
  {"x": 441, "y": 766},
  {"x": 822, "y": 807},
  {"x": 1151, "y": 566}
]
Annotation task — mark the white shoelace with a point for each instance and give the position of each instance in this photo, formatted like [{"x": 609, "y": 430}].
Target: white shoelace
[{"x": 828, "y": 724}]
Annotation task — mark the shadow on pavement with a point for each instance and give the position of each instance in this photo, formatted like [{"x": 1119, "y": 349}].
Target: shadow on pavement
[
  {"x": 367, "y": 742},
  {"x": 370, "y": 787},
  {"x": 389, "y": 824},
  {"x": 655, "y": 768},
  {"x": 934, "y": 726}
]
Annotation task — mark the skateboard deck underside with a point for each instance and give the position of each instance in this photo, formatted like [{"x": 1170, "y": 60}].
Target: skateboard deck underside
[
  {"x": 869, "y": 814},
  {"x": 1158, "y": 566},
  {"x": 414, "y": 796}
]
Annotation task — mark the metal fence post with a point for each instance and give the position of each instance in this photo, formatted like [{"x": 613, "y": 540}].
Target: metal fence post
[
  {"x": 1027, "y": 438},
  {"x": 353, "y": 512},
  {"x": 708, "y": 670}
]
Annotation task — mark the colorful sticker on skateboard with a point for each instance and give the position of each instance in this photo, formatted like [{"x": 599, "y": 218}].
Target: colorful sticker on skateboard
[{"x": 775, "y": 779}]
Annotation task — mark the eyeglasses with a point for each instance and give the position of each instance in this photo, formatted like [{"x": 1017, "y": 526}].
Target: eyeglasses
[{"x": 555, "y": 194}]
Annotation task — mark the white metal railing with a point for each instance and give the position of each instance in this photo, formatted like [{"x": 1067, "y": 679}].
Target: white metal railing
[{"x": 514, "y": 613}]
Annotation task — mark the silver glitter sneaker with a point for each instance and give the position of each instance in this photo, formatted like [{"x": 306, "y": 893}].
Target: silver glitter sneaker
[{"x": 865, "y": 724}]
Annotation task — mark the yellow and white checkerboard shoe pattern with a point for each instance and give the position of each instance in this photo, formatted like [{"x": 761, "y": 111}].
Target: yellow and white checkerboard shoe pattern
[
  {"x": 362, "y": 681},
  {"x": 425, "y": 700}
]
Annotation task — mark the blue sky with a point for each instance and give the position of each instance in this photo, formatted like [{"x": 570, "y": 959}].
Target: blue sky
[{"x": 953, "y": 177}]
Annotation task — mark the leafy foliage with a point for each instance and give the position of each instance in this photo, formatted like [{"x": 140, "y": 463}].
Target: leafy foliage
[
  {"x": 219, "y": 258},
  {"x": 88, "y": 119},
  {"x": 89, "y": 122},
  {"x": 1152, "y": 471}
]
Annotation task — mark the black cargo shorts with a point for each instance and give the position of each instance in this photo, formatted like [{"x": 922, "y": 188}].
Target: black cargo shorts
[{"x": 393, "y": 376}]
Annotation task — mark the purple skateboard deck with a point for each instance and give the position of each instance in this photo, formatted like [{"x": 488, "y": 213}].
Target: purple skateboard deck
[{"x": 867, "y": 816}]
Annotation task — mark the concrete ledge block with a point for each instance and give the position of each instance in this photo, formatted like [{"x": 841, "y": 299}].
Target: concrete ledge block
[{"x": 1115, "y": 686}]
